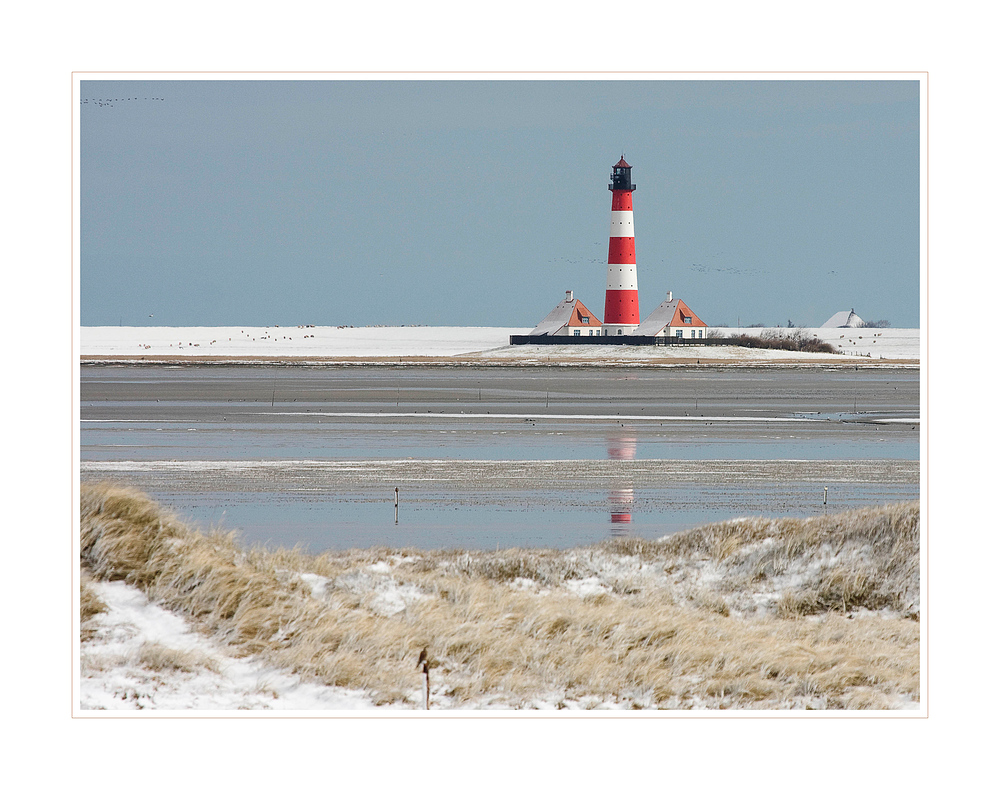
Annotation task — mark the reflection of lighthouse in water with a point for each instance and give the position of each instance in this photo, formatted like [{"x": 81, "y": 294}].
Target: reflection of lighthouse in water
[{"x": 621, "y": 447}]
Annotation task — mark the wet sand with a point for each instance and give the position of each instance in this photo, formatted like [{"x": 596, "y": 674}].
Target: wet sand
[{"x": 197, "y": 391}]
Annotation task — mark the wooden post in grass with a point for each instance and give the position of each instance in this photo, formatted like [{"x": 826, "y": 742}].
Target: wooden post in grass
[
  {"x": 824, "y": 500},
  {"x": 397, "y": 504},
  {"x": 423, "y": 664}
]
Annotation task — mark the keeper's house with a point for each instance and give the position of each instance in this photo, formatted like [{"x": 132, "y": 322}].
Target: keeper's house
[
  {"x": 569, "y": 318},
  {"x": 673, "y": 318}
]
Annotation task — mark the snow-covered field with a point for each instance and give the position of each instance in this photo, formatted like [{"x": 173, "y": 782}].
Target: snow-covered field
[
  {"x": 469, "y": 343},
  {"x": 296, "y": 341},
  {"x": 888, "y": 343}
]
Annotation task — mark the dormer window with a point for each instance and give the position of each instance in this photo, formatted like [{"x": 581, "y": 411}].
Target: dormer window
[
  {"x": 585, "y": 319},
  {"x": 687, "y": 319}
]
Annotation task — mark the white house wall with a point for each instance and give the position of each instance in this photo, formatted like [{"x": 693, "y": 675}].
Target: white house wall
[{"x": 687, "y": 332}]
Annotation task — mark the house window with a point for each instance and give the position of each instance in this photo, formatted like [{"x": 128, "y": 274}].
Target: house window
[
  {"x": 585, "y": 319},
  {"x": 576, "y": 333},
  {"x": 679, "y": 333},
  {"x": 699, "y": 333},
  {"x": 687, "y": 319}
]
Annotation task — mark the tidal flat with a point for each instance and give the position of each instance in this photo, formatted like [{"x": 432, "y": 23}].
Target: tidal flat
[{"x": 497, "y": 457}]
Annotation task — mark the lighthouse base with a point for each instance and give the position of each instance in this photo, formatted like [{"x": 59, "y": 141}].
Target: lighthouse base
[{"x": 618, "y": 330}]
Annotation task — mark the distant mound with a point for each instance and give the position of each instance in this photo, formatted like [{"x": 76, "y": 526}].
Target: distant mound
[{"x": 844, "y": 319}]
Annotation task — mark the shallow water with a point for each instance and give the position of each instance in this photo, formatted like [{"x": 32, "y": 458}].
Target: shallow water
[
  {"x": 607, "y": 451},
  {"x": 475, "y": 437},
  {"x": 457, "y": 520}
]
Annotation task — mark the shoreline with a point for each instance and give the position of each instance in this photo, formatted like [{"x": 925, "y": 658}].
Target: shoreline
[{"x": 466, "y": 361}]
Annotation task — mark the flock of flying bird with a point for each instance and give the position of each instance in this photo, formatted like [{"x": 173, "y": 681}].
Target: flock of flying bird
[{"x": 111, "y": 102}]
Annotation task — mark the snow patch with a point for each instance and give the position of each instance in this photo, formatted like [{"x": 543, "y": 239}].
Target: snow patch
[
  {"x": 317, "y": 584},
  {"x": 381, "y": 594},
  {"x": 591, "y": 587}
]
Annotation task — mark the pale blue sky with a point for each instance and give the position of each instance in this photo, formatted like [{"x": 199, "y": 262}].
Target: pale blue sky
[{"x": 478, "y": 203}]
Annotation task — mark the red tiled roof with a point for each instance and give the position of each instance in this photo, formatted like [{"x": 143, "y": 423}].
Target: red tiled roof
[
  {"x": 579, "y": 312},
  {"x": 682, "y": 312}
]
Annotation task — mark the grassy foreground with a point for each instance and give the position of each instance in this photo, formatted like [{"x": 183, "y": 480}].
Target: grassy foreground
[{"x": 753, "y": 613}]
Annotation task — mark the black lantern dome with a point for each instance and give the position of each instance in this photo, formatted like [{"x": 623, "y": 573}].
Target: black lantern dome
[{"x": 621, "y": 177}]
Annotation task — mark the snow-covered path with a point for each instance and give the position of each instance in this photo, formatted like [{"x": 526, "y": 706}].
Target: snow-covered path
[{"x": 144, "y": 657}]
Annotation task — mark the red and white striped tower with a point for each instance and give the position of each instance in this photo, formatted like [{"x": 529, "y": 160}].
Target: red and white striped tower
[{"x": 621, "y": 301}]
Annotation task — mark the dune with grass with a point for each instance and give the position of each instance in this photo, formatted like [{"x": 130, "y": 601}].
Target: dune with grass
[{"x": 755, "y": 613}]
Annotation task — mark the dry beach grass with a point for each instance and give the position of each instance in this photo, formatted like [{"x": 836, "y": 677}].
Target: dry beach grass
[{"x": 753, "y": 613}]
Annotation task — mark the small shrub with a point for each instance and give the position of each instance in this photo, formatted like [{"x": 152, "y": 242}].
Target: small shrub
[
  {"x": 90, "y": 603},
  {"x": 90, "y": 606},
  {"x": 160, "y": 658},
  {"x": 777, "y": 339}
]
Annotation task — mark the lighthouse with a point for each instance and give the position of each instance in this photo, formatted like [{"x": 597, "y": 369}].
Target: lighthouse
[
  {"x": 673, "y": 322},
  {"x": 621, "y": 300}
]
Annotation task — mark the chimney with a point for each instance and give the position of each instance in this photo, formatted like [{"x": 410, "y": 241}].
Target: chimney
[
  {"x": 670, "y": 296},
  {"x": 569, "y": 296}
]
